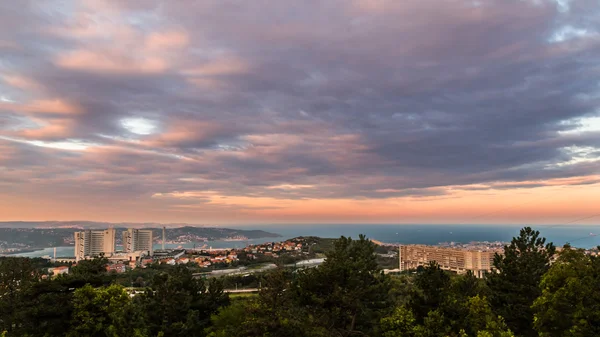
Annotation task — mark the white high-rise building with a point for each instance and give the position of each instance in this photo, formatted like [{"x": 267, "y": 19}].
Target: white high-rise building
[
  {"x": 138, "y": 240},
  {"x": 93, "y": 243}
]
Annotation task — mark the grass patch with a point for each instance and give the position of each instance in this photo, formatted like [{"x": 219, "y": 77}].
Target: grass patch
[{"x": 240, "y": 296}]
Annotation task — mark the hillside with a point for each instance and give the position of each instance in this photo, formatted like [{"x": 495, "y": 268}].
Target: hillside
[{"x": 30, "y": 238}]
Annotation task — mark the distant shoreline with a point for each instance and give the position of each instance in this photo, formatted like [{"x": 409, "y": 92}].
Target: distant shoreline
[{"x": 576, "y": 235}]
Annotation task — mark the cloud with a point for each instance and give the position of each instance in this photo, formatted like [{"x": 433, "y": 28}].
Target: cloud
[
  {"x": 167, "y": 40},
  {"x": 52, "y": 106},
  {"x": 346, "y": 100},
  {"x": 86, "y": 60},
  {"x": 21, "y": 82},
  {"x": 57, "y": 129},
  {"x": 218, "y": 67}
]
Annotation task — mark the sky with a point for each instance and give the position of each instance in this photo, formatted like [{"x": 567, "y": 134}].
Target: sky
[{"x": 341, "y": 111}]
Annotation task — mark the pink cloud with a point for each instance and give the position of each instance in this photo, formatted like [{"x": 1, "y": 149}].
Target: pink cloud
[
  {"x": 54, "y": 129},
  {"x": 5, "y": 44},
  {"x": 92, "y": 61},
  {"x": 45, "y": 106},
  {"x": 167, "y": 40},
  {"x": 21, "y": 82}
]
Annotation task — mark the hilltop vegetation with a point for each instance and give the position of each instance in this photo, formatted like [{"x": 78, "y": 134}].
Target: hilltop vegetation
[{"x": 347, "y": 295}]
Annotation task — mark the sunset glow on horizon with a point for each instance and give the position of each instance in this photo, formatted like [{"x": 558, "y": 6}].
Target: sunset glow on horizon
[{"x": 218, "y": 112}]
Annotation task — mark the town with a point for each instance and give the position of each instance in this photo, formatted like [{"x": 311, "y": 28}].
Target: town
[
  {"x": 26, "y": 239},
  {"x": 138, "y": 252}
]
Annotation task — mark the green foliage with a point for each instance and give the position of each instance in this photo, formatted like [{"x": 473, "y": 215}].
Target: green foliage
[
  {"x": 90, "y": 268},
  {"x": 401, "y": 290},
  {"x": 320, "y": 245},
  {"x": 47, "y": 309},
  {"x": 402, "y": 322},
  {"x": 100, "y": 312},
  {"x": 16, "y": 276},
  {"x": 177, "y": 304},
  {"x": 345, "y": 296},
  {"x": 431, "y": 283},
  {"x": 342, "y": 297},
  {"x": 570, "y": 301},
  {"x": 273, "y": 313},
  {"x": 457, "y": 295},
  {"x": 347, "y": 291},
  {"x": 387, "y": 262},
  {"x": 481, "y": 321},
  {"x": 515, "y": 286},
  {"x": 230, "y": 320},
  {"x": 241, "y": 281}
]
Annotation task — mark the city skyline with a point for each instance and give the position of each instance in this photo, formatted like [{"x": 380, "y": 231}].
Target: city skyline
[{"x": 211, "y": 112}]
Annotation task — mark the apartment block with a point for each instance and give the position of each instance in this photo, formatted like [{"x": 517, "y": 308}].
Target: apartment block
[
  {"x": 457, "y": 260},
  {"x": 138, "y": 240},
  {"x": 92, "y": 243}
]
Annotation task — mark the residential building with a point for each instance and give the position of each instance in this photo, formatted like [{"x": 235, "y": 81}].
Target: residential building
[
  {"x": 138, "y": 240},
  {"x": 457, "y": 260},
  {"x": 125, "y": 257},
  {"x": 117, "y": 268},
  {"x": 59, "y": 270},
  {"x": 92, "y": 243}
]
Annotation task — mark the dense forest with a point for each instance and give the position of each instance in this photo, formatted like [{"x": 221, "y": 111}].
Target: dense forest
[{"x": 535, "y": 291}]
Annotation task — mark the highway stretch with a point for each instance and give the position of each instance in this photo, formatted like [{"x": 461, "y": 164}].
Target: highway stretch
[{"x": 247, "y": 271}]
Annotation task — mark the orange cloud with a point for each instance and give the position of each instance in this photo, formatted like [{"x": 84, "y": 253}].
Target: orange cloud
[
  {"x": 47, "y": 106},
  {"x": 56, "y": 128},
  {"x": 21, "y": 82},
  {"x": 551, "y": 204},
  {"x": 112, "y": 62},
  {"x": 167, "y": 40}
]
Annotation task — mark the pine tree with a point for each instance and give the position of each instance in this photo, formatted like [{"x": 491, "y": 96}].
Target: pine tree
[{"x": 515, "y": 285}]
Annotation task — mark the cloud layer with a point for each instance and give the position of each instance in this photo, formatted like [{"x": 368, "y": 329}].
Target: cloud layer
[{"x": 258, "y": 111}]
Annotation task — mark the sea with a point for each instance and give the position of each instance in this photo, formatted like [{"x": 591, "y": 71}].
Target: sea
[{"x": 583, "y": 236}]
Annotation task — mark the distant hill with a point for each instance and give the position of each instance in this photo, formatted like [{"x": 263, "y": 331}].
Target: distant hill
[
  {"x": 92, "y": 224},
  {"x": 30, "y": 235}
]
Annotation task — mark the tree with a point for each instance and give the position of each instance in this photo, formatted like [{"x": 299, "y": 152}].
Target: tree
[
  {"x": 178, "y": 304},
  {"x": 16, "y": 275},
  {"x": 231, "y": 320},
  {"x": 92, "y": 267},
  {"x": 92, "y": 272},
  {"x": 515, "y": 285},
  {"x": 401, "y": 289},
  {"x": 47, "y": 308},
  {"x": 570, "y": 302},
  {"x": 402, "y": 322},
  {"x": 432, "y": 285},
  {"x": 347, "y": 292},
  {"x": 275, "y": 312},
  {"x": 481, "y": 321},
  {"x": 101, "y": 312},
  {"x": 344, "y": 296},
  {"x": 455, "y": 305}
]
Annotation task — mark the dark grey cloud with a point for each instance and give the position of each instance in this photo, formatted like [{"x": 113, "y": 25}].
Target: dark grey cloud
[{"x": 346, "y": 99}]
